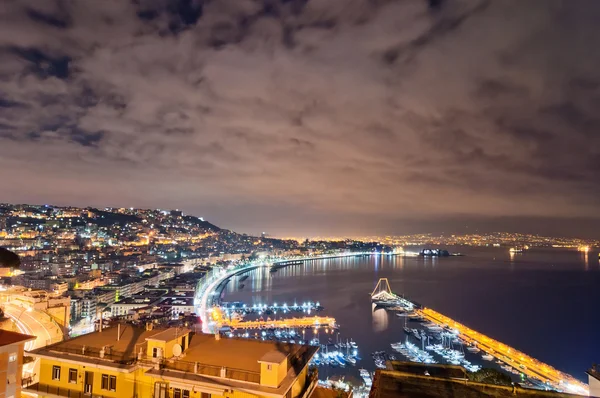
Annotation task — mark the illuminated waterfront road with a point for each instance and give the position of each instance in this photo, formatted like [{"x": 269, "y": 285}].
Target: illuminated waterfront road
[
  {"x": 31, "y": 322},
  {"x": 207, "y": 286},
  {"x": 207, "y": 290},
  {"x": 512, "y": 357}
]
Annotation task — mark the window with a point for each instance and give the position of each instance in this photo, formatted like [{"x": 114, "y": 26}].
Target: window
[
  {"x": 104, "y": 383},
  {"x": 160, "y": 390},
  {"x": 185, "y": 394},
  {"x": 56, "y": 372},
  {"x": 177, "y": 393},
  {"x": 205, "y": 395},
  {"x": 12, "y": 357},
  {"x": 154, "y": 352},
  {"x": 269, "y": 367},
  {"x": 112, "y": 385},
  {"x": 73, "y": 376}
]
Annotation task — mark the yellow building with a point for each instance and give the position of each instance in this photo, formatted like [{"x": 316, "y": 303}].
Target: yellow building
[
  {"x": 126, "y": 361},
  {"x": 11, "y": 362}
]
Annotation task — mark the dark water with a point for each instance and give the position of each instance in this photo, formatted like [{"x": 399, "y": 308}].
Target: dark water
[{"x": 545, "y": 302}]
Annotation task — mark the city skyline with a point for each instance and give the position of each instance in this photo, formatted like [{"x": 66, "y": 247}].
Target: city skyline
[{"x": 308, "y": 118}]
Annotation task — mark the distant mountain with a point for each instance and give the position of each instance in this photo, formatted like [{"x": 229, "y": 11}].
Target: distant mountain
[{"x": 204, "y": 224}]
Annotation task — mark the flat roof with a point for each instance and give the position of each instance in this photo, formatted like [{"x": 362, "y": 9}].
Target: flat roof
[
  {"x": 594, "y": 373},
  {"x": 446, "y": 371},
  {"x": 131, "y": 337},
  {"x": 242, "y": 354},
  {"x": 273, "y": 356},
  {"x": 7, "y": 337},
  {"x": 393, "y": 384},
  {"x": 169, "y": 334}
]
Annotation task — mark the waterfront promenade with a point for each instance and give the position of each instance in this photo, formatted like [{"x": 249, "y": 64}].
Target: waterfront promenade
[{"x": 207, "y": 287}]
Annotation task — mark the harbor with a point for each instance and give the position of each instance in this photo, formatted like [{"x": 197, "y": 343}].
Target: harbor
[
  {"x": 455, "y": 344},
  {"x": 409, "y": 334}
]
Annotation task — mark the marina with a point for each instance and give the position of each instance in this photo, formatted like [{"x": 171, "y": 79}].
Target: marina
[
  {"x": 433, "y": 342},
  {"x": 454, "y": 336}
]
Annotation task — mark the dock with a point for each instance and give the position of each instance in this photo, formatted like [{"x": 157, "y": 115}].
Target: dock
[
  {"x": 512, "y": 357},
  {"x": 516, "y": 359},
  {"x": 304, "y": 322}
]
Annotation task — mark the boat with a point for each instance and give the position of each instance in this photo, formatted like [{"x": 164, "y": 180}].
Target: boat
[
  {"x": 416, "y": 334},
  {"x": 407, "y": 330},
  {"x": 473, "y": 349},
  {"x": 487, "y": 357}
]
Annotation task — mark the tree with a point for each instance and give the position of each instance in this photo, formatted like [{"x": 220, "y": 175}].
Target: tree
[
  {"x": 9, "y": 259},
  {"x": 490, "y": 376}
]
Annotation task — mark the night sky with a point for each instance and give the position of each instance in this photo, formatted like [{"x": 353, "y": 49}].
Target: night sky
[{"x": 308, "y": 116}]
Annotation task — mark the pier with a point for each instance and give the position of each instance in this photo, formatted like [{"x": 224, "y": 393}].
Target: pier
[
  {"x": 305, "y": 322},
  {"x": 383, "y": 296},
  {"x": 531, "y": 367},
  {"x": 512, "y": 357},
  {"x": 241, "y": 308}
]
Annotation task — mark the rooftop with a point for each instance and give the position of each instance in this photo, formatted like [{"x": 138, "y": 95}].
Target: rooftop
[
  {"x": 169, "y": 334},
  {"x": 594, "y": 372},
  {"x": 446, "y": 371},
  {"x": 204, "y": 348},
  {"x": 124, "y": 348},
  {"x": 396, "y": 384},
  {"x": 7, "y": 338}
]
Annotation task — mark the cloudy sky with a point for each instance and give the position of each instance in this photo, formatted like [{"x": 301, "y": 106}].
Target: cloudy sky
[{"x": 307, "y": 116}]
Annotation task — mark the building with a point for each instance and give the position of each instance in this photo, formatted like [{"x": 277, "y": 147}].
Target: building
[
  {"x": 11, "y": 362},
  {"x": 179, "y": 306},
  {"x": 124, "y": 306},
  {"x": 409, "y": 379},
  {"x": 88, "y": 306},
  {"x": 76, "y": 304},
  {"x": 594, "y": 381},
  {"x": 126, "y": 361}
]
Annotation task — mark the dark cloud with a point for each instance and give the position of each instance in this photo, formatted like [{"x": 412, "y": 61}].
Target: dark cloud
[
  {"x": 59, "y": 20},
  {"x": 41, "y": 64},
  {"x": 305, "y": 115}
]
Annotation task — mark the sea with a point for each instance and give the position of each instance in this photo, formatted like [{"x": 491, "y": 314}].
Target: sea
[{"x": 544, "y": 302}]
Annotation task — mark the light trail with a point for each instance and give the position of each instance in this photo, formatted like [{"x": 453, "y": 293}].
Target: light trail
[
  {"x": 28, "y": 324},
  {"x": 23, "y": 329},
  {"x": 208, "y": 291}
]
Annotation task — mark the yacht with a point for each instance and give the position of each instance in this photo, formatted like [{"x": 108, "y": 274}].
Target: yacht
[
  {"x": 487, "y": 357},
  {"x": 416, "y": 334}
]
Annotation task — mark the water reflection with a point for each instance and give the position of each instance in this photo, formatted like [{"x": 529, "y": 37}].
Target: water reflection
[
  {"x": 380, "y": 319},
  {"x": 486, "y": 289}
]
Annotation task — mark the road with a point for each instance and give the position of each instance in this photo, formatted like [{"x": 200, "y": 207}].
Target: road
[
  {"x": 34, "y": 323},
  {"x": 209, "y": 284}
]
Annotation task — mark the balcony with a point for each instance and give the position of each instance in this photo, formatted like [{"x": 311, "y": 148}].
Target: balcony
[
  {"x": 213, "y": 371},
  {"x": 59, "y": 391}
]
